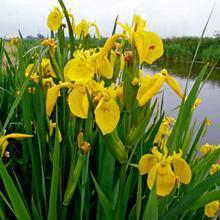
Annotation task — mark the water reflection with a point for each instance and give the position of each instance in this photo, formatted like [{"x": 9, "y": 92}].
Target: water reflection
[{"x": 210, "y": 96}]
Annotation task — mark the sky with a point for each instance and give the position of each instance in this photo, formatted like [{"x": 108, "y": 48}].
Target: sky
[{"x": 168, "y": 18}]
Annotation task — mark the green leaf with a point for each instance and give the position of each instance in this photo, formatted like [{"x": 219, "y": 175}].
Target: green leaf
[
  {"x": 205, "y": 199},
  {"x": 73, "y": 179},
  {"x": 18, "y": 205},
  {"x": 138, "y": 198},
  {"x": 52, "y": 213},
  {"x": 103, "y": 200},
  {"x": 151, "y": 209},
  {"x": 184, "y": 118},
  {"x": 150, "y": 140},
  {"x": 115, "y": 146}
]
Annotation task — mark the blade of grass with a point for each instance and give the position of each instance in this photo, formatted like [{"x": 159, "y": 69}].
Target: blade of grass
[
  {"x": 52, "y": 213},
  {"x": 18, "y": 205}
]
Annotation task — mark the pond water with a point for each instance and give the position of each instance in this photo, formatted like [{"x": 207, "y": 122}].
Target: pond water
[{"x": 210, "y": 95}]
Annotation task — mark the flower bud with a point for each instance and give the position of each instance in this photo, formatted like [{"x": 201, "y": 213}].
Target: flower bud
[{"x": 85, "y": 147}]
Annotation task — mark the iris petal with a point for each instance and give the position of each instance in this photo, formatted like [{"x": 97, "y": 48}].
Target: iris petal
[
  {"x": 146, "y": 162},
  {"x": 174, "y": 85},
  {"x": 107, "y": 115},
  {"x": 78, "y": 101},
  {"x": 182, "y": 170},
  {"x": 165, "y": 179}
]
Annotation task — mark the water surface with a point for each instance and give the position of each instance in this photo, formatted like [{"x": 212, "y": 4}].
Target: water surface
[{"x": 210, "y": 95}]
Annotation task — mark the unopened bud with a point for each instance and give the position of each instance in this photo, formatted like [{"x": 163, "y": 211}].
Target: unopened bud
[
  {"x": 80, "y": 139},
  {"x": 128, "y": 56},
  {"x": 135, "y": 81},
  {"x": 85, "y": 147}
]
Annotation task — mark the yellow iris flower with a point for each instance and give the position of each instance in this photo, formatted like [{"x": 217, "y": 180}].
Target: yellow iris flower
[
  {"x": 85, "y": 65},
  {"x": 148, "y": 44},
  {"x": 107, "y": 112},
  {"x": 52, "y": 126},
  {"x": 150, "y": 86},
  {"x": 83, "y": 28},
  {"x": 139, "y": 23},
  {"x": 4, "y": 140},
  {"x": 93, "y": 24},
  {"x": 165, "y": 129},
  {"x": 158, "y": 166},
  {"x": 207, "y": 148},
  {"x": 13, "y": 41},
  {"x": 54, "y": 19},
  {"x": 47, "y": 69},
  {"x": 109, "y": 44},
  {"x": 51, "y": 44},
  {"x": 34, "y": 75},
  {"x": 212, "y": 208},
  {"x": 79, "y": 69},
  {"x": 44, "y": 70},
  {"x": 78, "y": 101},
  {"x": 214, "y": 168}
]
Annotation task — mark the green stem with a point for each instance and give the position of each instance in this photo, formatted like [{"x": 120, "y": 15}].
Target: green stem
[{"x": 72, "y": 41}]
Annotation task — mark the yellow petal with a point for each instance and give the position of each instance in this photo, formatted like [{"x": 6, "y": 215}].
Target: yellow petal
[
  {"x": 146, "y": 162},
  {"x": 79, "y": 70},
  {"x": 109, "y": 44},
  {"x": 151, "y": 89},
  {"x": 4, "y": 140},
  {"x": 78, "y": 101},
  {"x": 51, "y": 98},
  {"x": 52, "y": 95},
  {"x": 112, "y": 58},
  {"x": 139, "y": 23},
  {"x": 66, "y": 69},
  {"x": 29, "y": 69},
  {"x": 214, "y": 168},
  {"x": 47, "y": 69},
  {"x": 165, "y": 179},
  {"x": 18, "y": 136},
  {"x": 144, "y": 86},
  {"x": 54, "y": 19},
  {"x": 96, "y": 29},
  {"x": 155, "y": 50},
  {"x": 142, "y": 44},
  {"x": 104, "y": 68},
  {"x": 182, "y": 170},
  {"x": 174, "y": 85},
  {"x": 107, "y": 115},
  {"x": 197, "y": 102},
  {"x": 212, "y": 208},
  {"x": 82, "y": 28},
  {"x": 206, "y": 149}
]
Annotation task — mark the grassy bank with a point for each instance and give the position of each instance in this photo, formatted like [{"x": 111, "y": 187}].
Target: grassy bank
[
  {"x": 183, "y": 48},
  {"x": 177, "y": 48}
]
